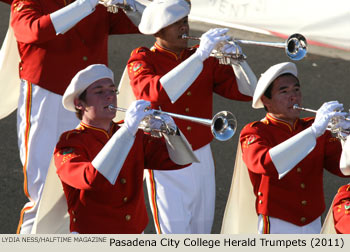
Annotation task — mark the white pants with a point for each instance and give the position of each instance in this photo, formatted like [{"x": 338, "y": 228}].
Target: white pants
[
  {"x": 278, "y": 226},
  {"x": 41, "y": 119},
  {"x": 183, "y": 201}
]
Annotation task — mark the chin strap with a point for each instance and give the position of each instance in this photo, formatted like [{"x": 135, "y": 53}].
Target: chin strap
[{"x": 289, "y": 153}]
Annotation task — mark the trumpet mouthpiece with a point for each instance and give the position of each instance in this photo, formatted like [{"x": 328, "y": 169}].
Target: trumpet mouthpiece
[
  {"x": 111, "y": 107},
  {"x": 296, "y": 106}
]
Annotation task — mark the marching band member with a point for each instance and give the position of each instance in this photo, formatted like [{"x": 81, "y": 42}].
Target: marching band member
[
  {"x": 182, "y": 80},
  {"x": 101, "y": 163},
  {"x": 338, "y": 217},
  {"x": 285, "y": 155},
  {"x": 55, "y": 40}
]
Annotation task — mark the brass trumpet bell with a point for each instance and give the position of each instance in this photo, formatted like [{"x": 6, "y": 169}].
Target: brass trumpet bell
[
  {"x": 224, "y": 125},
  {"x": 296, "y": 47}
]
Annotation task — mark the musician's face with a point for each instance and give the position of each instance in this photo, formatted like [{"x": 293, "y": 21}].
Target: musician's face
[
  {"x": 99, "y": 95},
  {"x": 170, "y": 37},
  {"x": 284, "y": 94}
]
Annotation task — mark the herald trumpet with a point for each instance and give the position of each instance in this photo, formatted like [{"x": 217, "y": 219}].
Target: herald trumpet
[
  {"x": 223, "y": 125},
  {"x": 295, "y": 46},
  {"x": 332, "y": 126}
]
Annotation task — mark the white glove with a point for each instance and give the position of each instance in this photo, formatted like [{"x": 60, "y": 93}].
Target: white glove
[
  {"x": 324, "y": 115},
  {"x": 93, "y": 3},
  {"x": 135, "y": 114},
  {"x": 109, "y": 3},
  {"x": 232, "y": 48},
  {"x": 209, "y": 40},
  {"x": 164, "y": 123}
]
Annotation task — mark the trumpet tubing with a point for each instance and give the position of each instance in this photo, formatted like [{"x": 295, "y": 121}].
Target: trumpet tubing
[
  {"x": 295, "y": 46},
  {"x": 223, "y": 125},
  {"x": 332, "y": 124}
]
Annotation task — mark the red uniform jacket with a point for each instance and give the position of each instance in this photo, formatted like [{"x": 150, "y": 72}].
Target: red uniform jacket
[
  {"x": 95, "y": 205},
  {"x": 51, "y": 60},
  {"x": 146, "y": 67},
  {"x": 298, "y": 197},
  {"x": 341, "y": 210}
]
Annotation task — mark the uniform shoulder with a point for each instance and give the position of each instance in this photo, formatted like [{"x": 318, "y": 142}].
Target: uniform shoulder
[
  {"x": 256, "y": 124},
  {"x": 71, "y": 134},
  {"x": 307, "y": 120},
  {"x": 139, "y": 50}
]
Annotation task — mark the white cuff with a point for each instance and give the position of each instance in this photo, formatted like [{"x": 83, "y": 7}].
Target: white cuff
[
  {"x": 65, "y": 18},
  {"x": 181, "y": 77},
  {"x": 111, "y": 158},
  {"x": 289, "y": 153},
  {"x": 246, "y": 79},
  {"x": 345, "y": 157},
  {"x": 135, "y": 16},
  {"x": 180, "y": 151}
]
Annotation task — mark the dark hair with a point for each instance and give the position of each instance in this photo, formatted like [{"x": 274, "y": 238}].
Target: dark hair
[
  {"x": 268, "y": 90},
  {"x": 78, "y": 112}
]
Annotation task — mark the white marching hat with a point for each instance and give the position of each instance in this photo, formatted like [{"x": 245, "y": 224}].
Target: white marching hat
[
  {"x": 162, "y": 13},
  {"x": 82, "y": 80},
  {"x": 268, "y": 77}
]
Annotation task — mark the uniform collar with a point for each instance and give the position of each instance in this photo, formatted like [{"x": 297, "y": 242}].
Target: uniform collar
[
  {"x": 281, "y": 123},
  {"x": 168, "y": 52},
  {"x": 98, "y": 131}
]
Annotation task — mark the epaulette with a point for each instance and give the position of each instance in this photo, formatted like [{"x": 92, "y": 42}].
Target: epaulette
[
  {"x": 263, "y": 121},
  {"x": 138, "y": 50},
  {"x": 73, "y": 132},
  {"x": 307, "y": 119},
  {"x": 253, "y": 124},
  {"x": 344, "y": 188}
]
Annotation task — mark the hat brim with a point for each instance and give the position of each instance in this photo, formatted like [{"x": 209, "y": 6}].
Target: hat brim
[
  {"x": 82, "y": 80},
  {"x": 268, "y": 77},
  {"x": 160, "y": 14}
]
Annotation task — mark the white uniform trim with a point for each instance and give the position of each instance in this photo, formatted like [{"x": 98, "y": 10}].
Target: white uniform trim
[
  {"x": 65, "y": 18},
  {"x": 185, "y": 198},
  {"x": 181, "y": 77},
  {"x": 240, "y": 215},
  {"x": 278, "y": 226},
  {"x": 110, "y": 160},
  {"x": 289, "y": 153},
  {"x": 180, "y": 151},
  {"x": 40, "y": 127},
  {"x": 246, "y": 79},
  {"x": 9, "y": 78}
]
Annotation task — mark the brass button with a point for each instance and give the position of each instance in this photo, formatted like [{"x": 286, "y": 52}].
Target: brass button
[
  {"x": 260, "y": 201},
  {"x": 187, "y": 110},
  {"x": 299, "y": 169},
  {"x": 73, "y": 212},
  {"x": 259, "y": 193},
  {"x": 123, "y": 181},
  {"x": 302, "y": 219},
  {"x": 304, "y": 202},
  {"x": 189, "y": 93},
  {"x": 74, "y": 219},
  {"x": 20, "y": 68},
  {"x": 189, "y": 128},
  {"x": 302, "y": 185},
  {"x": 85, "y": 58},
  {"x": 125, "y": 199},
  {"x": 127, "y": 217}
]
